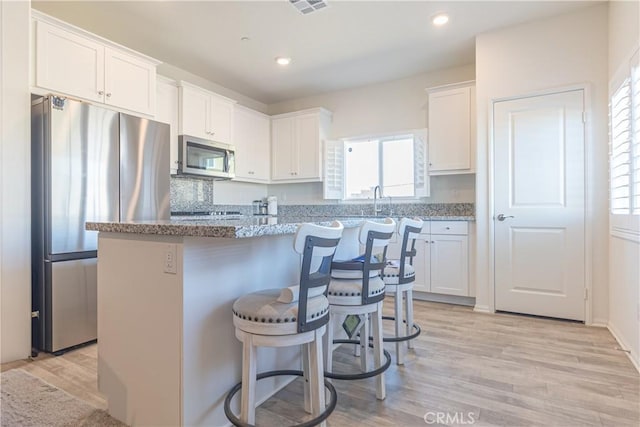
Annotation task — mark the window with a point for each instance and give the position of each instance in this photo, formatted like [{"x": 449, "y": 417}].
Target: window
[
  {"x": 387, "y": 162},
  {"x": 624, "y": 135},
  {"x": 396, "y": 163}
]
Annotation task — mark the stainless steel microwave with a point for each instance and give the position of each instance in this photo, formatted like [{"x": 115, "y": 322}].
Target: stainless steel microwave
[{"x": 206, "y": 158}]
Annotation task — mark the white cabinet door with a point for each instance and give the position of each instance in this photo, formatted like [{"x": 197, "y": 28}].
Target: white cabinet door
[
  {"x": 251, "y": 135},
  {"x": 421, "y": 264},
  {"x": 69, "y": 63},
  {"x": 296, "y": 141},
  {"x": 167, "y": 112},
  {"x": 221, "y": 121},
  {"x": 283, "y": 148},
  {"x": 449, "y": 264},
  {"x": 195, "y": 112},
  {"x": 307, "y": 149},
  {"x": 130, "y": 83},
  {"x": 450, "y": 131}
]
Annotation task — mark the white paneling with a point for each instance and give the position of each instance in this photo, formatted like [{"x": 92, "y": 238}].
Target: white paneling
[{"x": 15, "y": 238}]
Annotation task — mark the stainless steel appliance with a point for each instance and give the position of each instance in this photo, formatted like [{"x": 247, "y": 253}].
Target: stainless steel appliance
[
  {"x": 202, "y": 157},
  {"x": 88, "y": 164}
]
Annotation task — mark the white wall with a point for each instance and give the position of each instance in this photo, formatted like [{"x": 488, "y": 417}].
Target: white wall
[
  {"x": 624, "y": 283},
  {"x": 555, "y": 52},
  {"x": 385, "y": 107},
  {"x": 15, "y": 214},
  {"x": 176, "y": 73}
]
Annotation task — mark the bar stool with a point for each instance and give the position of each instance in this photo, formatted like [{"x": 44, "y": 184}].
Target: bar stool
[
  {"x": 399, "y": 277},
  {"x": 296, "y": 315},
  {"x": 356, "y": 288}
]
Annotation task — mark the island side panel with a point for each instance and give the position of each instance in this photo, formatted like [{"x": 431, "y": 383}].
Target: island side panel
[
  {"x": 140, "y": 328},
  {"x": 217, "y": 271}
]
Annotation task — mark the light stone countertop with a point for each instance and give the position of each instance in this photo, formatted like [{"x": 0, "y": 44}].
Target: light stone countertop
[{"x": 245, "y": 227}]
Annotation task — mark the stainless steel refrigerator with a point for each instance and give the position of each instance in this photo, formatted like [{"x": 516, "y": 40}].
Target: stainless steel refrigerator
[{"x": 88, "y": 164}]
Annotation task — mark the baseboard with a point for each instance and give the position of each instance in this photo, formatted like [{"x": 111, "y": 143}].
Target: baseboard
[
  {"x": 618, "y": 337},
  {"x": 448, "y": 299},
  {"x": 599, "y": 323}
]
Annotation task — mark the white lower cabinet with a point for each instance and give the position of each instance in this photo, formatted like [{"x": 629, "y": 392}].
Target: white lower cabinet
[{"x": 442, "y": 260}]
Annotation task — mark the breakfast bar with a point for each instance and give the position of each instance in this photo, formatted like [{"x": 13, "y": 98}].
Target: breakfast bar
[{"x": 167, "y": 354}]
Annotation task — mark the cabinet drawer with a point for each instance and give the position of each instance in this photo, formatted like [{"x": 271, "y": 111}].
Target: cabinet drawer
[{"x": 449, "y": 227}]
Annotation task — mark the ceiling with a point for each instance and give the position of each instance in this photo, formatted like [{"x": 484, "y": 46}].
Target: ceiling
[{"x": 347, "y": 44}]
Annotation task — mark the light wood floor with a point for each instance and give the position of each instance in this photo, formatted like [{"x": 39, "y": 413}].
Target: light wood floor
[{"x": 504, "y": 369}]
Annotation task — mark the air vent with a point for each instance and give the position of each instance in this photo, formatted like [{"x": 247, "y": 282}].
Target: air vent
[{"x": 307, "y": 6}]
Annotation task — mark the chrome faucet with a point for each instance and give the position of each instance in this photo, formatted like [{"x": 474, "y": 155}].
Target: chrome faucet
[{"x": 377, "y": 191}]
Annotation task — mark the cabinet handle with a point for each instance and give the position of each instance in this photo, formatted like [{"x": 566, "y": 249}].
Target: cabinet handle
[
  {"x": 250, "y": 172},
  {"x": 108, "y": 95},
  {"x": 100, "y": 92},
  {"x": 448, "y": 228},
  {"x": 433, "y": 242}
]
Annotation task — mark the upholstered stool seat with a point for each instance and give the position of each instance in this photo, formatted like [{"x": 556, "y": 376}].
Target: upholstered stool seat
[
  {"x": 357, "y": 288},
  {"x": 399, "y": 277},
  {"x": 295, "y": 315},
  {"x": 391, "y": 274},
  {"x": 262, "y": 313}
]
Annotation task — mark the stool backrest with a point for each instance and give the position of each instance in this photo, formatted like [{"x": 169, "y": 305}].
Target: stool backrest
[
  {"x": 408, "y": 230},
  {"x": 374, "y": 235},
  {"x": 317, "y": 244}
]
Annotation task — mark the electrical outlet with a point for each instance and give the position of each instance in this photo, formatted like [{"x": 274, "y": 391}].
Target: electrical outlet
[{"x": 170, "y": 255}]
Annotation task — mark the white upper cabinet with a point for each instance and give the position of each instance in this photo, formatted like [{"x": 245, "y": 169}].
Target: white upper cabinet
[
  {"x": 251, "y": 135},
  {"x": 204, "y": 114},
  {"x": 296, "y": 145},
  {"x": 451, "y": 120},
  {"x": 129, "y": 82},
  {"x": 167, "y": 112},
  {"x": 73, "y": 62}
]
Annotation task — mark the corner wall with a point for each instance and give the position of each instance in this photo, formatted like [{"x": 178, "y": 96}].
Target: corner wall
[
  {"x": 15, "y": 182},
  {"x": 556, "y": 52},
  {"x": 624, "y": 248}
]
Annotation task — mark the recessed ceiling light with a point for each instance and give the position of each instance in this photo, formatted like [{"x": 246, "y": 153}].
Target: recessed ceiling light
[
  {"x": 281, "y": 60},
  {"x": 244, "y": 39},
  {"x": 440, "y": 19}
]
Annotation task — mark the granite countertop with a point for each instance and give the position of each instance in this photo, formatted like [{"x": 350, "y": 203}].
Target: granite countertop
[{"x": 248, "y": 226}]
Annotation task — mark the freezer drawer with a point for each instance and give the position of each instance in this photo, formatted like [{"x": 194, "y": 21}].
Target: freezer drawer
[{"x": 72, "y": 303}]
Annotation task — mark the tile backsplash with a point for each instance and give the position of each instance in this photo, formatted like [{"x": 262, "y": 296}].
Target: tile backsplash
[{"x": 191, "y": 194}]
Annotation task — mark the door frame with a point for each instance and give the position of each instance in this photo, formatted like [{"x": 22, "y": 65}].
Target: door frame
[{"x": 589, "y": 205}]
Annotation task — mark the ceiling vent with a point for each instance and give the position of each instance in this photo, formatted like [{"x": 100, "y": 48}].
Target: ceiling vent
[{"x": 307, "y": 6}]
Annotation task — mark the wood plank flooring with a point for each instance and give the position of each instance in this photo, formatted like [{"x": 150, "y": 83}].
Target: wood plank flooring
[{"x": 501, "y": 369}]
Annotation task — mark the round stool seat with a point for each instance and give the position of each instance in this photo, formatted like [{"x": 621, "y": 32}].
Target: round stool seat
[
  {"x": 261, "y": 313},
  {"x": 349, "y": 292},
  {"x": 391, "y": 273}
]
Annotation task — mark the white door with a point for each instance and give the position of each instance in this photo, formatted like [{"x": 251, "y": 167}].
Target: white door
[
  {"x": 221, "y": 120},
  {"x": 539, "y": 205},
  {"x": 282, "y": 146},
  {"x": 195, "y": 112},
  {"x": 308, "y": 147}
]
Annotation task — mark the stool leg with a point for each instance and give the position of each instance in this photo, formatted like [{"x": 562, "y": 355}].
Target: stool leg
[
  {"x": 328, "y": 347},
  {"x": 409, "y": 309},
  {"x": 398, "y": 313},
  {"x": 356, "y": 347},
  {"x": 306, "y": 356},
  {"x": 248, "y": 402},
  {"x": 316, "y": 376},
  {"x": 377, "y": 351},
  {"x": 364, "y": 344}
]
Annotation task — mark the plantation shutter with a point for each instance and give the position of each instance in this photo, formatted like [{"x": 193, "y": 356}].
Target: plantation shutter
[
  {"x": 421, "y": 171},
  {"x": 333, "y": 170}
]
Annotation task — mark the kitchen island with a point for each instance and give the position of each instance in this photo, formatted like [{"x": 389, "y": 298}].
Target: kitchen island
[{"x": 167, "y": 352}]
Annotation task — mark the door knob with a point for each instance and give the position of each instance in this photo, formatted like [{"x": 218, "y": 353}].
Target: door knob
[{"x": 501, "y": 217}]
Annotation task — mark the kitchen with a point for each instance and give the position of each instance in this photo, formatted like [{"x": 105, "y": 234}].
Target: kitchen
[{"x": 408, "y": 113}]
